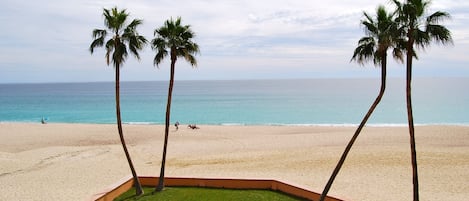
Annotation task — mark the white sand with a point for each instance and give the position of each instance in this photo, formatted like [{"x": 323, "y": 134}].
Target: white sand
[{"x": 74, "y": 161}]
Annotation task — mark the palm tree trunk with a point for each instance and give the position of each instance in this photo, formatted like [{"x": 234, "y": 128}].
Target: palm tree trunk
[
  {"x": 138, "y": 186},
  {"x": 357, "y": 132},
  {"x": 167, "y": 121},
  {"x": 410, "y": 118}
]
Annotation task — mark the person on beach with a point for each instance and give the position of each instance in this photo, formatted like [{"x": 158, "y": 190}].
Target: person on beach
[
  {"x": 177, "y": 125},
  {"x": 43, "y": 121},
  {"x": 193, "y": 126}
]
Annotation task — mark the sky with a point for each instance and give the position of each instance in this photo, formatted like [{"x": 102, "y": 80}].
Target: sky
[{"x": 48, "y": 41}]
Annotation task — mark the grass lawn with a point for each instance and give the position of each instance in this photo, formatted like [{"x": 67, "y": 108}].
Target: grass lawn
[{"x": 206, "y": 194}]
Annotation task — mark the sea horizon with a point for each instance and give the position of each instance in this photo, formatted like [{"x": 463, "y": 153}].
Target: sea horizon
[
  {"x": 246, "y": 79},
  {"x": 270, "y": 102}
]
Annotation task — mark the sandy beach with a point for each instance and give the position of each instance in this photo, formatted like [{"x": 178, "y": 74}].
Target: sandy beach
[{"x": 75, "y": 161}]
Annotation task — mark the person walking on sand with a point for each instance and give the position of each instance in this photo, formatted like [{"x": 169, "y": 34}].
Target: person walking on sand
[{"x": 177, "y": 125}]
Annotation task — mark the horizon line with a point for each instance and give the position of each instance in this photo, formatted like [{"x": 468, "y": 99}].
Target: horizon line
[{"x": 246, "y": 79}]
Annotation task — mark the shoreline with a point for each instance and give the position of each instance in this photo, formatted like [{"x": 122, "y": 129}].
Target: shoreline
[
  {"x": 79, "y": 160},
  {"x": 254, "y": 125}
]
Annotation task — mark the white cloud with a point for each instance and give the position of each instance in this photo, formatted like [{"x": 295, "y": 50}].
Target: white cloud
[{"x": 296, "y": 34}]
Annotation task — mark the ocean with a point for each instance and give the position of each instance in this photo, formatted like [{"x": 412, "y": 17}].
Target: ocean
[{"x": 328, "y": 102}]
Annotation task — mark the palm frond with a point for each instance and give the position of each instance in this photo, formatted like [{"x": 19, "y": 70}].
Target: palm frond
[
  {"x": 124, "y": 36},
  {"x": 158, "y": 43},
  {"x": 99, "y": 35},
  {"x": 369, "y": 27},
  {"x": 160, "y": 55},
  {"x": 133, "y": 25},
  {"x": 191, "y": 59},
  {"x": 437, "y": 17},
  {"x": 381, "y": 34},
  {"x": 365, "y": 50},
  {"x": 107, "y": 18},
  {"x": 193, "y": 48},
  {"x": 109, "y": 49},
  {"x": 115, "y": 19},
  {"x": 439, "y": 33},
  {"x": 422, "y": 38},
  {"x": 398, "y": 54},
  {"x": 120, "y": 54},
  {"x": 135, "y": 41},
  {"x": 176, "y": 40}
]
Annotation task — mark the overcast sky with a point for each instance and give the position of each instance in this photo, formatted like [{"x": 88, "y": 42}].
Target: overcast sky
[{"x": 48, "y": 41}]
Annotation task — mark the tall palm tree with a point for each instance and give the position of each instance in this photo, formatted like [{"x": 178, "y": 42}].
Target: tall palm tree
[
  {"x": 419, "y": 30},
  {"x": 175, "y": 39},
  {"x": 124, "y": 36},
  {"x": 380, "y": 36}
]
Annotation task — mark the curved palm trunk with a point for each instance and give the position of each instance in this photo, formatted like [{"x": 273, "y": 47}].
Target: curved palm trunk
[
  {"x": 410, "y": 117},
  {"x": 161, "y": 185},
  {"x": 138, "y": 186},
  {"x": 357, "y": 132}
]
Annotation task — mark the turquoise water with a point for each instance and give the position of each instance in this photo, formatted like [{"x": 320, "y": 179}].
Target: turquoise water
[{"x": 254, "y": 102}]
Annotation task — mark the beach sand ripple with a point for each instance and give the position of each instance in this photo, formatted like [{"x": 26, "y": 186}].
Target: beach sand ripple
[{"x": 75, "y": 161}]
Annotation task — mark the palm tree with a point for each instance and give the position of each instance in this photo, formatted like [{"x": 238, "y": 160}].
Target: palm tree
[
  {"x": 124, "y": 36},
  {"x": 419, "y": 30},
  {"x": 380, "y": 36},
  {"x": 175, "y": 39}
]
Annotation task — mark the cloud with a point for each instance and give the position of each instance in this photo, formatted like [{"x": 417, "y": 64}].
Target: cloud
[{"x": 54, "y": 36}]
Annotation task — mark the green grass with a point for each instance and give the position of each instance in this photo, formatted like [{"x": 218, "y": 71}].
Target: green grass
[{"x": 206, "y": 194}]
